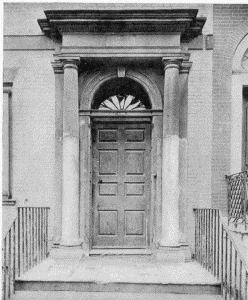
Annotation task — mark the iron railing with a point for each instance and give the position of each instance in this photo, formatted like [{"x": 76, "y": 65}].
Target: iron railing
[
  {"x": 24, "y": 246},
  {"x": 237, "y": 187},
  {"x": 216, "y": 251}
]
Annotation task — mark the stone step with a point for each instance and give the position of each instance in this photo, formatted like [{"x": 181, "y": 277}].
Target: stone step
[
  {"x": 122, "y": 287},
  {"x": 123, "y": 274},
  {"x": 48, "y": 295}
]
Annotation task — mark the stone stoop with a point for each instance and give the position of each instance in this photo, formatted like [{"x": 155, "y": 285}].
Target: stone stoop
[
  {"x": 117, "y": 274},
  {"x": 37, "y": 295}
]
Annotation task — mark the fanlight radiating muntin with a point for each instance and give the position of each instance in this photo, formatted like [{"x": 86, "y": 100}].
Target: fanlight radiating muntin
[{"x": 118, "y": 102}]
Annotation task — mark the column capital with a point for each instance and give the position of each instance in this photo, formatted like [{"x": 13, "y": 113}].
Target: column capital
[
  {"x": 7, "y": 87},
  {"x": 71, "y": 63},
  {"x": 185, "y": 67},
  {"x": 58, "y": 67},
  {"x": 175, "y": 60},
  {"x": 171, "y": 63}
]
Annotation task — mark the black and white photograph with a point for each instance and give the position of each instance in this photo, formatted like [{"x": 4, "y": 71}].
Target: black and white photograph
[{"x": 124, "y": 150}]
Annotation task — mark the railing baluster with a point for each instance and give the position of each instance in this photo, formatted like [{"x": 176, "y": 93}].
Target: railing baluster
[
  {"x": 230, "y": 272},
  {"x": 28, "y": 233},
  {"x": 43, "y": 234},
  {"x": 226, "y": 260},
  {"x": 14, "y": 254},
  {"x": 46, "y": 231},
  {"x": 240, "y": 279},
  {"x": 207, "y": 239},
  {"x": 200, "y": 237},
  {"x": 40, "y": 257},
  {"x": 4, "y": 268},
  {"x": 26, "y": 239},
  {"x": 246, "y": 285},
  {"x": 235, "y": 274},
  {"x": 7, "y": 264},
  {"x": 196, "y": 234},
  {"x": 19, "y": 242},
  {"x": 37, "y": 236},
  {"x": 212, "y": 242},
  {"x": 10, "y": 265},
  {"x": 41, "y": 242},
  {"x": 23, "y": 240},
  {"x": 222, "y": 261},
  {"x": 218, "y": 245},
  {"x": 205, "y": 234},
  {"x": 33, "y": 237}
]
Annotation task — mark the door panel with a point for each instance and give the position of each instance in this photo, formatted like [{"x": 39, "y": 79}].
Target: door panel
[{"x": 121, "y": 185}]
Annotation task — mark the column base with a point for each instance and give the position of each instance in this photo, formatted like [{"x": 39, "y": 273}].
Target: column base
[
  {"x": 173, "y": 254},
  {"x": 66, "y": 253},
  {"x": 71, "y": 243},
  {"x": 170, "y": 254}
]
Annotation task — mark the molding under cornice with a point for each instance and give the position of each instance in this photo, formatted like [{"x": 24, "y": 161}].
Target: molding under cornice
[{"x": 162, "y": 21}]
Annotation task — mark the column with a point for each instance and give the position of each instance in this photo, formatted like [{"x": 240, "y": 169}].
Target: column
[
  {"x": 170, "y": 154},
  {"x": 185, "y": 208},
  {"x": 58, "y": 146},
  {"x": 5, "y": 139},
  {"x": 70, "y": 202}
]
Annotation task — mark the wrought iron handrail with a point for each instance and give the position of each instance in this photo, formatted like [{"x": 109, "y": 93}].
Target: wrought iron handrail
[
  {"x": 237, "y": 188},
  {"x": 217, "y": 251},
  {"x": 24, "y": 246}
]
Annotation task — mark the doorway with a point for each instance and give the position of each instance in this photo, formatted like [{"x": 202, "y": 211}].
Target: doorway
[{"x": 121, "y": 162}]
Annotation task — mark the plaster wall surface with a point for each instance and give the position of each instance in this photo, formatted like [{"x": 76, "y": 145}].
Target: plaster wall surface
[
  {"x": 199, "y": 139},
  {"x": 32, "y": 128}
]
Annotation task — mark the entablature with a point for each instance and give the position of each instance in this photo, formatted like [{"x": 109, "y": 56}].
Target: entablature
[{"x": 160, "y": 21}]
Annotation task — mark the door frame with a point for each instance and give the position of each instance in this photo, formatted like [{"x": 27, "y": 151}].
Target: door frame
[{"x": 86, "y": 119}]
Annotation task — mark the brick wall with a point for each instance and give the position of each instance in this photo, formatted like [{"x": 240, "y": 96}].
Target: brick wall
[{"x": 229, "y": 27}]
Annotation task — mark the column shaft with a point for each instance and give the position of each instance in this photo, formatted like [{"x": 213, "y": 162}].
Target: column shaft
[
  {"x": 5, "y": 139},
  {"x": 70, "y": 207},
  {"x": 185, "y": 208},
  {"x": 170, "y": 168},
  {"x": 59, "y": 89}
]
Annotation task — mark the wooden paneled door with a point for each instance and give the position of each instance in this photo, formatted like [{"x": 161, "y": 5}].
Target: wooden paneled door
[{"x": 121, "y": 185}]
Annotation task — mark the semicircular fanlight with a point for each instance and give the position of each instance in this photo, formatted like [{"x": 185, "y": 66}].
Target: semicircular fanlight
[{"x": 118, "y": 102}]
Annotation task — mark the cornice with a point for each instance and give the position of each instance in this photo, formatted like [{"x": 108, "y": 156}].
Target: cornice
[{"x": 165, "y": 21}]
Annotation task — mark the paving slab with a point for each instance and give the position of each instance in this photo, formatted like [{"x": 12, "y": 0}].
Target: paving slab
[{"x": 128, "y": 269}]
